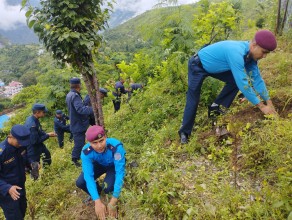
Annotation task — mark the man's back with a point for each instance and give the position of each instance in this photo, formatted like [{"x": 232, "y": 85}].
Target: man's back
[
  {"x": 221, "y": 56},
  {"x": 78, "y": 112}
]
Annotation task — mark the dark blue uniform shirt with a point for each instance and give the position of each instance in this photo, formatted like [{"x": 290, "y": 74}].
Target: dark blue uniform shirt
[
  {"x": 12, "y": 167},
  {"x": 37, "y": 137},
  {"x": 60, "y": 124},
  {"x": 136, "y": 86},
  {"x": 120, "y": 89},
  {"x": 78, "y": 112}
]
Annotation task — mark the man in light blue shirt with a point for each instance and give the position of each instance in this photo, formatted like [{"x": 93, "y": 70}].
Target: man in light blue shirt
[
  {"x": 235, "y": 63},
  {"x": 100, "y": 156}
]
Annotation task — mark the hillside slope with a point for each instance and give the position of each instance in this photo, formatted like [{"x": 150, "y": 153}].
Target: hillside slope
[{"x": 245, "y": 175}]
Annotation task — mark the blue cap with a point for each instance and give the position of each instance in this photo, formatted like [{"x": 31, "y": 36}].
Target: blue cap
[
  {"x": 103, "y": 91},
  {"x": 75, "y": 80},
  {"x": 59, "y": 112},
  {"x": 40, "y": 107},
  {"x": 22, "y": 134}
]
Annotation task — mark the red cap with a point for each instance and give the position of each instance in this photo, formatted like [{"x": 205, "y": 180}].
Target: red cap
[
  {"x": 94, "y": 132},
  {"x": 266, "y": 39}
]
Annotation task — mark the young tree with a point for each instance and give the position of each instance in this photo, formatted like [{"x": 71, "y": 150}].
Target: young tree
[
  {"x": 214, "y": 22},
  {"x": 69, "y": 29}
]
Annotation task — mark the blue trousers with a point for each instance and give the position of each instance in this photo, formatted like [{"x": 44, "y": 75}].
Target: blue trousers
[
  {"x": 39, "y": 150},
  {"x": 196, "y": 77},
  {"x": 13, "y": 210},
  {"x": 61, "y": 136},
  {"x": 109, "y": 180},
  {"x": 117, "y": 104},
  {"x": 79, "y": 142}
]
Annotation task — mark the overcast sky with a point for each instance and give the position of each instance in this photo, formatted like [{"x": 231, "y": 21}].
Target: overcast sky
[{"x": 11, "y": 16}]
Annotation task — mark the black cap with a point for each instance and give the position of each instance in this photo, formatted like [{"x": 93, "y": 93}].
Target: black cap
[
  {"x": 59, "y": 112},
  {"x": 40, "y": 107},
  {"x": 103, "y": 91},
  {"x": 22, "y": 134},
  {"x": 75, "y": 80}
]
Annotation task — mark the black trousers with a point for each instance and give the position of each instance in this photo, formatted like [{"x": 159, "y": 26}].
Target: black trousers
[{"x": 13, "y": 210}]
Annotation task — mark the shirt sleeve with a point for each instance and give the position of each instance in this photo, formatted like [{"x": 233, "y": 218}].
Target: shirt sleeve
[
  {"x": 4, "y": 186},
  {"x": 80, "y": 107},
  {"x": 87, "y": 168},
  {"x": 59, "y": 124},
  {"x": 241, "y": 77},
  {"x": 37, "y": 137},
  {"x": 120, "y": 164}
]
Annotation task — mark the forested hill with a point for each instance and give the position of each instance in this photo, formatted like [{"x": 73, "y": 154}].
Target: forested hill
[
  {"x": 148, "y": 28},
  {"x": 238, "y": 169}
]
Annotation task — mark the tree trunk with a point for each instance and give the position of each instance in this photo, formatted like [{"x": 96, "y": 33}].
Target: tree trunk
[
  {"x": 284, "y": 17},
  {"x": 278, "y": 18},
  {"x": 92, "y": 86},
  {"x": 99, "y": 117}
]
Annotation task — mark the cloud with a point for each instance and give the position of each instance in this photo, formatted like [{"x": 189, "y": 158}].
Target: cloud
[
  {"x": 140, "y": 6},
  {"x": 11, "y": 16}
]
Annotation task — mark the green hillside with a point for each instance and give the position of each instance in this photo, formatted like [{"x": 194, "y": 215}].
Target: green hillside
[
  {"x": 147, "y": 28},
  {"x": 243, "y": 174}
]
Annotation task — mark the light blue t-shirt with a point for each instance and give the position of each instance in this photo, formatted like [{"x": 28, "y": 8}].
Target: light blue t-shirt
[
  {"x": 230, "y": 56},
  {"x": 107, "y": 158}
]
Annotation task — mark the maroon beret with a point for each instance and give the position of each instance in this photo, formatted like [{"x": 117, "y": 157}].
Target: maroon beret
[
  {"x": 266, "y": 39},
  {"x": 94, "y": 132}
]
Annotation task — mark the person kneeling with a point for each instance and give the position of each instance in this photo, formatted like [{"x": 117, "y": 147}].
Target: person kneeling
[{"x": 100, "y": 156}]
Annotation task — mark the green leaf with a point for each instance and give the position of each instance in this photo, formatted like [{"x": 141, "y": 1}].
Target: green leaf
[
  {"x": 290, "y": 216},
  {"x": 278, "y": 204},
  {"x": 28, "y": 13},
  {"x": 31, "y": 23},
  {"x": 23, "y": 3},
  {"x": 189, "y": 211}
]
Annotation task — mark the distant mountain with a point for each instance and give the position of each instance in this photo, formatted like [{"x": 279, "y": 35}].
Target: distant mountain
[
  {"x": 23, "y": 35},
  {"x": 120, "y": 16},
  {"x": 142, "y": 30}
]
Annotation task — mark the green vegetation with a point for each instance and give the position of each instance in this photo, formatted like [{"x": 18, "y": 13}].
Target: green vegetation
[
  {"x": 5, "y": 103},
  {"x": 245, "y": 174}
]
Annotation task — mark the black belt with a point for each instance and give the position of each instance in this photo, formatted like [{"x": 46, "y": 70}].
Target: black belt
[{"x": 198, "y": 61}]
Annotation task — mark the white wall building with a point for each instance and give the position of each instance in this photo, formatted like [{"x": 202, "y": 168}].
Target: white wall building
[{"x": 13, "y": 88}]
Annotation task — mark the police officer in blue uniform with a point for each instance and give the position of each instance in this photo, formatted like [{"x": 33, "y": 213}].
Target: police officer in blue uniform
[
  {"x": 38, "y": 136},
  {"x": 61, "y": 127},
  {"x": 102, "y": 155},
  {"x": 13, "y": 160},
  {"x": 119, "y": 90},
  {"x": 236, "y": 64},
  {"x": 79, "y": 118},
  {"x": 87, "y": 102},
  {"x": 134, "y": 87}
]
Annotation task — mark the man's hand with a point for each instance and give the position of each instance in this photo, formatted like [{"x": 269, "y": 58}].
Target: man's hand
[
  {"x": 267, "y": 109},
  {"x": 270, "y": 103},
  {"x": 14, "y": 193},
  {"x": 35, "y": 166},
  {"x": 52, "y": 134},
  {"x": 112, "y": 207},
  {"x": 100, "y": 209}
]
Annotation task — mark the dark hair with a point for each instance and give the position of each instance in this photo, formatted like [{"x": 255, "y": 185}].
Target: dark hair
[
  {"x": 74, "y": 86},
  {"x": 36, "y": 111}
]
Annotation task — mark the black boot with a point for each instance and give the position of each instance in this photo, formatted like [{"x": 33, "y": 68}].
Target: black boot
[
  {"x": 34, "y": 173},
  {"x": 214, "y": 111},
  {"x": 76, "y": 162},
  {"x": 183, "y": 138}
]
